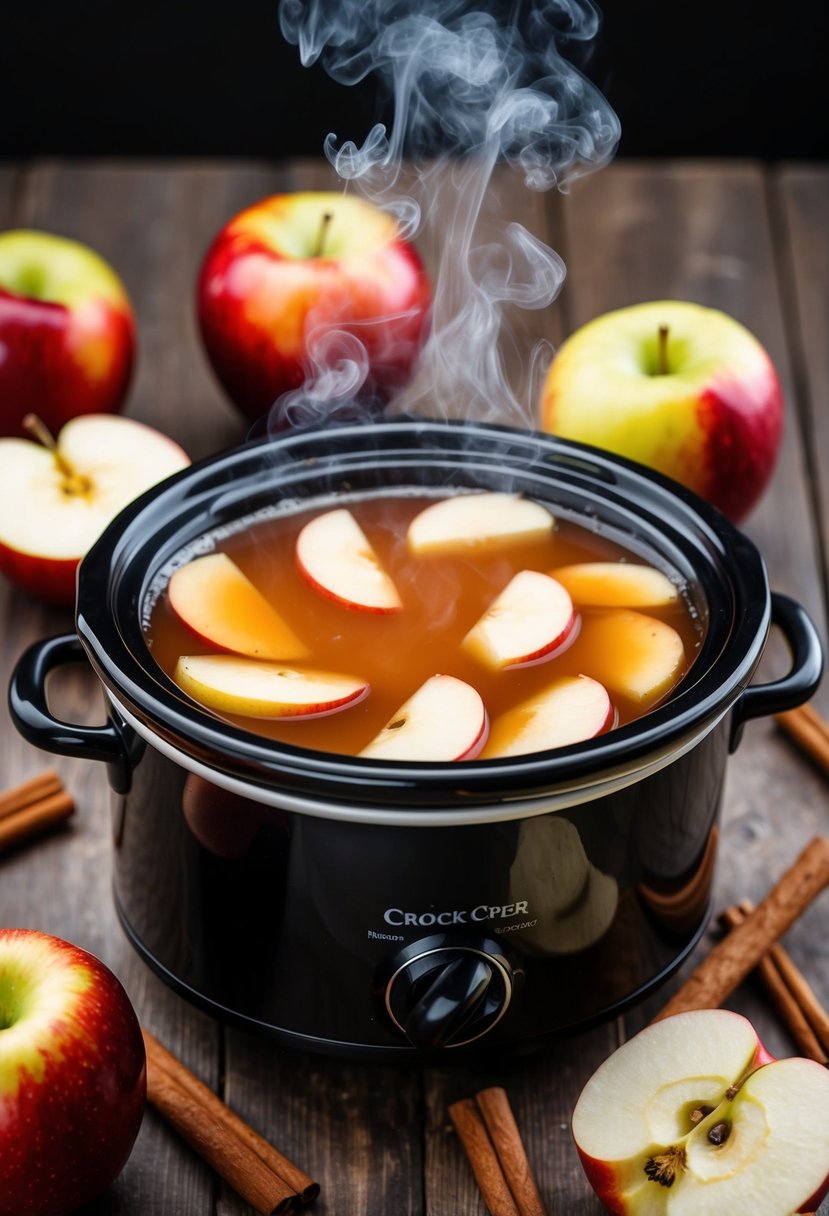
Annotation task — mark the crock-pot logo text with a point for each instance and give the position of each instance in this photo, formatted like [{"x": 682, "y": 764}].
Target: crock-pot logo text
[{"x": 397, "y": 918}]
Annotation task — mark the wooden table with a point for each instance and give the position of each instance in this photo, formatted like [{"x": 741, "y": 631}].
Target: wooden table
[{"x": 750, "y": 239}]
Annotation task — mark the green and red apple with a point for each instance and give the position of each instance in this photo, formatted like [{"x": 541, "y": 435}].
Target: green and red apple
[
  {"x": 694, "y": 1117},
  {"x": 684, "y": 389},
  {"x": 58, "y": 495},
  {"x": 67, "y": 331},
  {"x": 283, "y": 277},
  {"x": 72, "y": 1075}
]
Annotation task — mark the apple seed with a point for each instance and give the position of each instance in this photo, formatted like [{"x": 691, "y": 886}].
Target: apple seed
[
  {"x": 719, "y": 1133},
  {"x": 700, "y": 1113}
]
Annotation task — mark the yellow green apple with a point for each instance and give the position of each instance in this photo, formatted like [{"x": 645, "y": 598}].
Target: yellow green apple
[{"x": 682, "y": 388}]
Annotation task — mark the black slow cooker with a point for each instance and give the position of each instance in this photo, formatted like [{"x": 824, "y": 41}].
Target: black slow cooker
[{"x": 393, "y": 910}]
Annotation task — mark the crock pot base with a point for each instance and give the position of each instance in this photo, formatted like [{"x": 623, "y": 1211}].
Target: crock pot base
[{"x": 404, "y": 1053}]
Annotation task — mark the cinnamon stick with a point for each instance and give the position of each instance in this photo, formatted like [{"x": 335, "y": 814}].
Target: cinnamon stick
[
  {"x": 494, "y": 1106},
  {"x": 799, "y": 986},
  {"x": 783, "y": 999},
  {"x": 809, "y": 731},
  {"x": 237, "y": 1164},
  {"x": 483, "y": 1159},
  {"x": 31, "y": 820},
  {"x": 235, "y": 1150},
  {"x": 731, "y": 960},
  {"x": 42, "y": 785}
]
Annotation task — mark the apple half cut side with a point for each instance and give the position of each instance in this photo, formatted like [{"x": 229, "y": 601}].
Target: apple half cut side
[
  {"x": 445, "y": 720},
  {"x": 639, "y": 656},
  {"x": 528, "y": 622},
  {"x": 55, "y": 502},
  {"x": 221, "y": 606},
  {"x": 570, "y": 710},
  {"x": 254, "y": 688},
  {"x": 616, "y": 585},
  {"x": 693, "y": 1117},
  {"x": 335, "y": 556},
  {"x": 481, "y": 520}
]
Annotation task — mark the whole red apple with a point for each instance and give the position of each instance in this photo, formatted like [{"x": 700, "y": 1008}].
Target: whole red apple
[
  {"x": 72, "y": 1075},
  {"x": 285, "y": 276},
  {"x": 67, "y": 331},
  {"x": 682, "y": 388}
]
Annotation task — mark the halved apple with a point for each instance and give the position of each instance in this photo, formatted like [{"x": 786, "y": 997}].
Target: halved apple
[
  {"x": 257, "y": 689},
  {"x": 336, "y": 557},
  {"x": 693, "y": 1117},
  {"x": 445, "y": 720},
  {"x": 221, "y": 606},
  {"x": 529, "y": 621},
  {"x": 486, "y": 520},
  {"x": 639, "y": 656},
  {"x": 570, "y": 710},
  {"x": 616, "y": 585}
]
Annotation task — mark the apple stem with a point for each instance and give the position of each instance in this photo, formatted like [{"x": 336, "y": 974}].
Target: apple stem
[
  {"x": 325, "y": 222},
  {"x": 74, "y": 482},
  {"x": 662, "y": 351}
]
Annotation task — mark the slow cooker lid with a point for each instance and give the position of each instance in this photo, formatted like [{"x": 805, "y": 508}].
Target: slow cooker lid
[{"x": 723, "y": 570}]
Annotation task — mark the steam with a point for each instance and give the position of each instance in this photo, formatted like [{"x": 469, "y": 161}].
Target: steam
[{"x": 472, "y": 90}]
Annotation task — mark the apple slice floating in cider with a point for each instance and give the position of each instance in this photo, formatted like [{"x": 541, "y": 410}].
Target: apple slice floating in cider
[
  {"x": 528, "y": 622},
  {"x": 256, "y": 689},
  {"x": 639, "y": 656},
  {"x": 616, "y": 585},
  {"x": 570, "y": 710},
  {"x": 445, "y": 720},
  {"x": 221, "y": 606},
  {"x": 483, "y": 520},
  {"x": 335, "y": 556},
  {"x": 693, "y": 1117}
]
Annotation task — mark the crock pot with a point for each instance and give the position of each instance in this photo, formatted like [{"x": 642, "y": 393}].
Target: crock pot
[{"x": 389, "y": 910}]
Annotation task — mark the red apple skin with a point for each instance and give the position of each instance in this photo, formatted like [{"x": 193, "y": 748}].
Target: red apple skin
[
  {"x": 60, "y": 361},
  {"x": 740, "y": 445},
  {"x": 253, "y": 306},
  {"x": 67, "y": 1136},
  {"x": 46, "y": 579}
]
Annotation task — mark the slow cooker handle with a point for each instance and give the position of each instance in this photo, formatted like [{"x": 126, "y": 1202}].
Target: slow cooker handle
[
  {"x": 31, "y": 715},
  {"x": 803, "y": 640}
]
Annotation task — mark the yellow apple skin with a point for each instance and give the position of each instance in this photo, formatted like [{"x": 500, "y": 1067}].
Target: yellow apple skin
[{"x": 713, "y": 420}]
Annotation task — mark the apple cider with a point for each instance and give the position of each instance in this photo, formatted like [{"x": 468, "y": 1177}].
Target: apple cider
[{"x": 542, "y": 632}]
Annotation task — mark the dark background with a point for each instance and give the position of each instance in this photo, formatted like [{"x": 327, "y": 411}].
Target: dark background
[{"x": 216, "y": 78}]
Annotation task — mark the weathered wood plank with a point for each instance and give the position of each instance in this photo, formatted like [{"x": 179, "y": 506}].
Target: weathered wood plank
[
  {"x": 703, "y": 233},
  {"x": 801, "y": 194}
]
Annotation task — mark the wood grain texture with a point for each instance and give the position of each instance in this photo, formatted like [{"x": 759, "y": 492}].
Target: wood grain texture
[{"x": 379, "y": 1139}]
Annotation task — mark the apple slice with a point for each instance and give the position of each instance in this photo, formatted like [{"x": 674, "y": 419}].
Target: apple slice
[
  {"x": 335, "y": 556},
  {"x": 616, "y": 585},
  {"x": 639, "y": 656},
  {"x": 256, "y": 689},
  {"x": 693, "y": 1117},
  {"x": 222, "y": 607},
  {"x": 528, "y": 622},
  {"x": 480, "y": 520},
  {"x": 570, "y": 710},
  {"x": 444, "y": 720}
]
